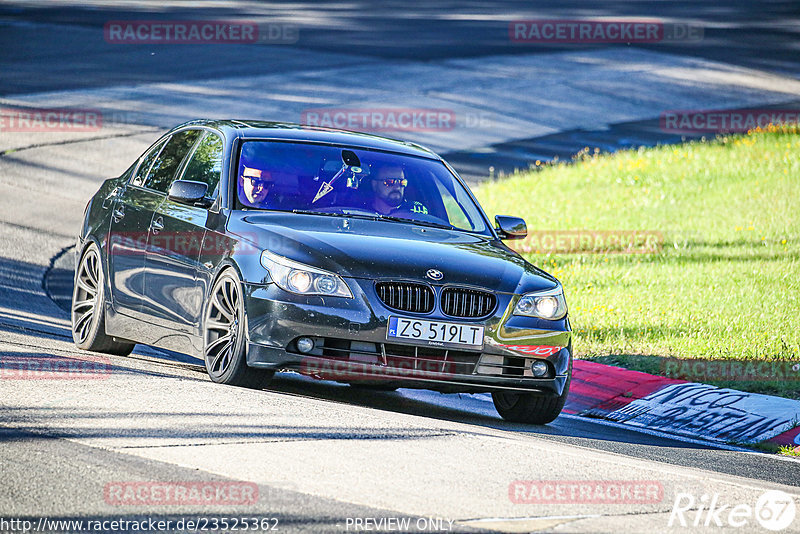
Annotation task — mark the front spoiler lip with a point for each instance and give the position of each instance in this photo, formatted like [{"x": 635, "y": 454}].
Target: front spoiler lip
[{"x": 365, "y": 372}]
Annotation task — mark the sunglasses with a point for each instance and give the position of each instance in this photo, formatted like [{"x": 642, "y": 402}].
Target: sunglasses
[
  {"x": 402, "y": 182},
  {"x": 264, "y": 184}
]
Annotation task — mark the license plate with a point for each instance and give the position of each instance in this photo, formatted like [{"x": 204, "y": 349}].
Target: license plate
[{"x": 435, "y": 332}]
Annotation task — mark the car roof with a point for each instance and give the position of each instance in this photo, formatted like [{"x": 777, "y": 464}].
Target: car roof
[{"x": 255, "y": 129}]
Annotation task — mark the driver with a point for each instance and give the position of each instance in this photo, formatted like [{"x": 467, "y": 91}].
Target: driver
[
  {"x": 388, "y": 188},
  {"x": 256, "y": 185}
]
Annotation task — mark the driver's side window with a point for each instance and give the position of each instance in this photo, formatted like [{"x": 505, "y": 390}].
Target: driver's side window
[
  {"x": 206, "y": 163},
  {"x": 147, "y": 162}
]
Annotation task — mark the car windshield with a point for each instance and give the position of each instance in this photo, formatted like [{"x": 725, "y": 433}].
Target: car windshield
[{"x": 336, "y": 180}]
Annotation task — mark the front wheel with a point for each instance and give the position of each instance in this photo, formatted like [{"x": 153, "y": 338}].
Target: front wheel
[
  {"x": 529, "y": 407},
  {"x": 224, "y": 343},
  {"x": 88, "y": 308}
]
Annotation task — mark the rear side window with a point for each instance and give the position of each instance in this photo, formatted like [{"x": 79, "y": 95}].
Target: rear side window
[
  {"x": 167, "y": 163},
  {"x": 206, "y": 163},
  {"x": 147, "y": 162}
]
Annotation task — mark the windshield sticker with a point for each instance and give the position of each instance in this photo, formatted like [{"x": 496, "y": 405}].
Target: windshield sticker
[{"x": 324, "y": 189}]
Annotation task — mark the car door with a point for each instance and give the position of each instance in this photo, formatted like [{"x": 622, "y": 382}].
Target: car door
[
  {"x": 133, "y": 208},
  {"x": 173, "y": 293}
]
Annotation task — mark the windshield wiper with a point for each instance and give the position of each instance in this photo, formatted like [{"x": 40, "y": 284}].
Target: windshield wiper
[
  {"x": 379, "y": 217},
  {"x": 417, "y": 221},
  {"x": 312, "y": 212},
  {"x": 334, "y": 214}
]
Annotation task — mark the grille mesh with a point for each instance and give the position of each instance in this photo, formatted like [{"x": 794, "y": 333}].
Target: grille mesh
[
  {"x": 462, "y": 302},
  {"x": 406, "y": 296}
]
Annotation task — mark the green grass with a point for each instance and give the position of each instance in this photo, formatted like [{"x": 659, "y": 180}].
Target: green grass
[
  {"x": 771, "y": 448},
  {"x": 725, "y": 284},
  {"x": 789, "y": 451}
]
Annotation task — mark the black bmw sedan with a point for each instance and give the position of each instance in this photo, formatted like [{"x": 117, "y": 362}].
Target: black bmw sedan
[{"x": 263, "y": 247}]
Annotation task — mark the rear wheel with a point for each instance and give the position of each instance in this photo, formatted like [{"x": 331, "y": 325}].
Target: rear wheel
[
  {"x": 529, "y": 407},
  {"x": 88, "y": 308},
  {"x": 224, "y": 342}
]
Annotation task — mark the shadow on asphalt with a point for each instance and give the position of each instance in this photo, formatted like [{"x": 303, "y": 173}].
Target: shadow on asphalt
[
  {"x": 471, "y": 409},
  {"x": 476, "y": 410}
]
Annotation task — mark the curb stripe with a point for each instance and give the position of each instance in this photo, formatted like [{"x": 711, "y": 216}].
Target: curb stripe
[
  {"x": 691, "y": 409},
  {"x": 599, "y": 389}
]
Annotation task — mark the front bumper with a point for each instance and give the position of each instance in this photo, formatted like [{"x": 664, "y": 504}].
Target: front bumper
[{"x": 351, "y": 344}]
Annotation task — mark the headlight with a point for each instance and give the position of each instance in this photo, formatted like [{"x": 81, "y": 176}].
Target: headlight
[
  {"x": 549, "y": 304},
  {"x": 303, "y": 279}
]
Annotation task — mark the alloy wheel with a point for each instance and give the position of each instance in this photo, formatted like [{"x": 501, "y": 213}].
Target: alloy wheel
[
  {"x": 222, "y": 326},
  {"x": 85, "y": 298}
]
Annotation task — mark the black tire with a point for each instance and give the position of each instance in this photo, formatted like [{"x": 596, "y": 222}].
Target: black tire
[
  {"x": 87, "y": 312},
  {"x": 531, "y": 408},
  {"x": 224, "y": 341}
]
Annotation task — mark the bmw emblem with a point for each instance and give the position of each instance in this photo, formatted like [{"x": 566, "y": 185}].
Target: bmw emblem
[{"x": 434, "y": 274}]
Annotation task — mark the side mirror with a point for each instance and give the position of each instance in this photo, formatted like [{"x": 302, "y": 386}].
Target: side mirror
[
  {"x": 189, "y": 192},
  {"x": 510, "y": 227}
]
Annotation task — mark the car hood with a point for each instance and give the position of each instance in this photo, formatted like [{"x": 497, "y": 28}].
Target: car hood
[{"x": 361, "y": 248}]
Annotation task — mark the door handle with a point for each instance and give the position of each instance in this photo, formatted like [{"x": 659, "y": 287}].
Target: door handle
[
  {"x": 119, "y": 213},
  {"x": 157, "y": 225}
]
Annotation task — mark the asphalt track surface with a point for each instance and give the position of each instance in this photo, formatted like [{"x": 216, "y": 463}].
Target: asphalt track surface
[{"x": 320, "y": 453}]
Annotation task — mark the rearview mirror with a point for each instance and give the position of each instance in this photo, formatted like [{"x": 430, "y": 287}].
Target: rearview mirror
[
  {"x": 510, "y": 227},
  {"x": 189, "y": 192}
]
